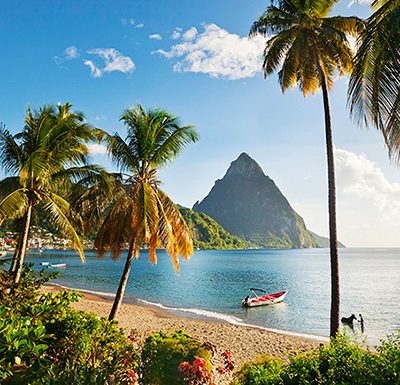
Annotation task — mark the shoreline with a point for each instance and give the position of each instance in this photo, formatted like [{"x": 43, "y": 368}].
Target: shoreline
[
  {"x": 244, "y": 341},
  {"x": 189, "y": 313}
]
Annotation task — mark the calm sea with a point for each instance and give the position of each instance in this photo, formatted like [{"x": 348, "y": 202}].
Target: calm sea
[{"x": 213, "y": 283}]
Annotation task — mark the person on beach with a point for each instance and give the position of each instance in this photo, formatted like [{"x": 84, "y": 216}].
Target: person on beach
[{"x": 361, "y": 320}]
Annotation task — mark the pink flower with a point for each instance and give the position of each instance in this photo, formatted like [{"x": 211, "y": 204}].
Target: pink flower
[
  {"x": 199, "y": 362},
  {"x": 185, "y": 367}
]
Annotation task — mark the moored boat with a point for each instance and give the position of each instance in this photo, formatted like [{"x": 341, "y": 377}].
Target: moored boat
[
  {"x": 57, "y": 265},
  {"x": 265, "y": 299}
]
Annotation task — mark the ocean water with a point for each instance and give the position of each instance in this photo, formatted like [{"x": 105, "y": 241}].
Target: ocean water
[{"x": 213, "y": 283}]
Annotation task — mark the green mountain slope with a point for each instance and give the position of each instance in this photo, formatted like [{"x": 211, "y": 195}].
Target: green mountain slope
[
  {"x": 323, "y": 241},
  {"x": 248, "y": 204},
  {"x": 208, "y": 234}
]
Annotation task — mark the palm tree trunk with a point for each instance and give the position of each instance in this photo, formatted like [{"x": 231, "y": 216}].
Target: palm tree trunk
[
  {"x": 122, "y": 284},
  {"x": 14, "y": 261},
  {"x": 335, "y": 289},
  {"x": 24, "y": 243},
  {"x": 13, "y": 265}
]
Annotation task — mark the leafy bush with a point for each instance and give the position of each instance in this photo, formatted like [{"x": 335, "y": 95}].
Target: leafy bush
[
  {"x": 340, "y": 362},
  {"x": 163, "y": 354},
  {"x": 387, "y": 362},
  {"x": 44, "y": 341},
  {"x": 22, "y": 342},
  {"x": 264, "y": 370},
  {"x": 91, "y": 347}
]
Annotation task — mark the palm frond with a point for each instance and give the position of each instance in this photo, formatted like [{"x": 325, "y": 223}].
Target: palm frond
[
  {"x": 11, "y": 157},
  {"x": 13, "y": 204},
  {"x": 116, "y": 229},
  {"x": 122, "y": 155},
  {"x": 374, "y": 86},
  {"x": 273, "y": 21},
  {"x": 350, "y": 25},
  {"x": 60, "y": 215},
  {"x": 145, "y": 212},
  {"x": 180, "y": 243},
  {"x": 177, "y": 139},
  {"x": 90, "y": 174}
]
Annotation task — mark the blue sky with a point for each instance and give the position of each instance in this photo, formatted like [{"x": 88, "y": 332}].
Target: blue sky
[{"x": 193, "y": 58}]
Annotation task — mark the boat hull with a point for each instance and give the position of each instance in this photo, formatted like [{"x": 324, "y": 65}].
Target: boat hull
[
  {"x": 269, "y": 299},
  {"x": 57, "y": 266}
]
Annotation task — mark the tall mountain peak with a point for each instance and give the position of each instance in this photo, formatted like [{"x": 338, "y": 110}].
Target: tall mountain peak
[
  {"x": 247, "y": 203},
  {"x": 245, "y": 166}
]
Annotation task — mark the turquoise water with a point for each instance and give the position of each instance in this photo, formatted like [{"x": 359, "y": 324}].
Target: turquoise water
[{"x": 213, "y": 283}]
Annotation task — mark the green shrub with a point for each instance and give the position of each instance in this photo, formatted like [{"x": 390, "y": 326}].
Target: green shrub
[
  {"x": 387, "y": 362},
  {"x": 264, "y": 370},
  {"x": 162, "y": 354},
  {"x": 44, "y": 341},
  {"x": 22, "y": 343},
  {"x": 341, "y": 362},
  {"x": 91, "y": 348}
]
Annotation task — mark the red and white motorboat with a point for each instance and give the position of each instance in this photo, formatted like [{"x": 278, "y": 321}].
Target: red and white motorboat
[{"x": 265, "y": 299}]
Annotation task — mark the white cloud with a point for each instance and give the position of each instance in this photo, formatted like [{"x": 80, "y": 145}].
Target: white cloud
[
  {"x": 71, "y": 52},
  {"x": 217, "y": 52},
  {"x": 360, "y": 177},
  {"x": 190, "y": 34},
  {"x": 155, "y": 36},
  {"x": 97, "y": 149},
  {"x": 352, "y": 2},
  {"x": 68, "y": 54},
  {"x": 176, "y": 34},
  {"x": 94, "y": 71},
  {"x": 113, "y": 60},
  {"x": 129, "y": 21}
]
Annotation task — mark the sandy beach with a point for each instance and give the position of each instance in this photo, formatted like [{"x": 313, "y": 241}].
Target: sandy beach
[{"x": 244, "y": 342}]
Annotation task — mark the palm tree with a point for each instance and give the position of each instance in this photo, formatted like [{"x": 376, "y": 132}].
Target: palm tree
[
  {"x": 374, "y": 88},
  {"x": 310, "y": 48},
  {"x": 141, "y": 213},
  {"x": 44, "y": 160}
]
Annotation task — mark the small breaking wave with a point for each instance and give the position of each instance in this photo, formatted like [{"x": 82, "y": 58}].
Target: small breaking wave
[
  {"x": 199, "y": 312},
  {"x": 97, "y": 293}
]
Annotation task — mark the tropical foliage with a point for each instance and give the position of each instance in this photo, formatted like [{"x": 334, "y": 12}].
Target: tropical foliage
[
  {"x": 139, "y": 213},
  {"x": 44, "y": 162},
  {"x": 374, "y": 89},
  {"x": 342, "y": 361},
  {"x": 44, "y": 341},
  {"x": 163, "y": 354},
  {"x": 308, "y": 49}
]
